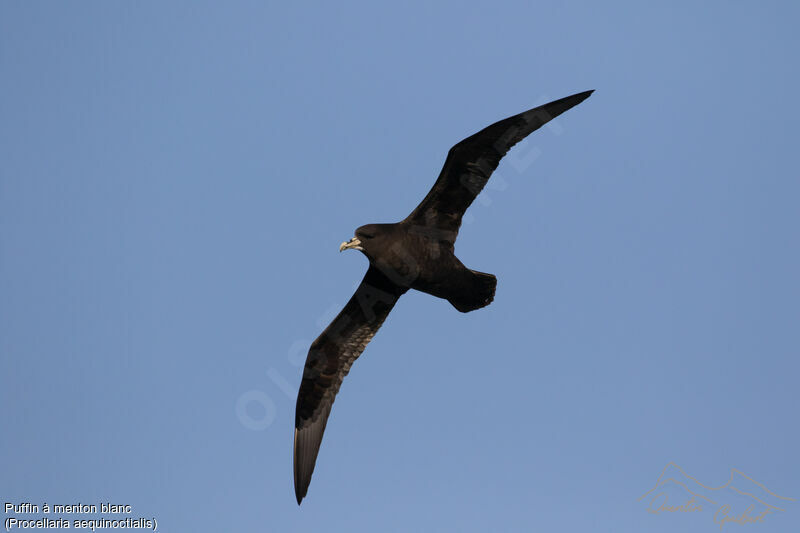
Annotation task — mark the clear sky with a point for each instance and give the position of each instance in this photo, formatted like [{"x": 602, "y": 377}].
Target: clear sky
[{"x": 176, "y": 177}]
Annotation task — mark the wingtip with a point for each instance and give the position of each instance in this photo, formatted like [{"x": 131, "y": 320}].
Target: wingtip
[
  {"x": 297, "y": 491},
  {"x": 563, "y": 104}
]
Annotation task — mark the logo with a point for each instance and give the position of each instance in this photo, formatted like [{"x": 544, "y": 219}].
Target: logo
[{"x": 741, "y": 500}]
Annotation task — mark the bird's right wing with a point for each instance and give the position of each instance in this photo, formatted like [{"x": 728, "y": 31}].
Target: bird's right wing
[
  {"x": 329, "y": 360},
  {"x": 470, "y": 163}
]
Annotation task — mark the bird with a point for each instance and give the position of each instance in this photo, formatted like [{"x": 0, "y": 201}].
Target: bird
[{"x": 415, "y": 253}]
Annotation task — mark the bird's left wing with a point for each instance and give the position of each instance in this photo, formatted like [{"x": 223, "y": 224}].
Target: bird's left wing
[
  {"x": 329, "y": 360},
  {"x": 470, "y": 163}
]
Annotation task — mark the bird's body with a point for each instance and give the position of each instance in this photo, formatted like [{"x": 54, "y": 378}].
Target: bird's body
[
  {"x": 413, "y": 257},
  {"x": 417, "y": 253}
]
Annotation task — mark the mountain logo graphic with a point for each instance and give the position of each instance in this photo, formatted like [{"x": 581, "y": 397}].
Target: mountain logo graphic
[{"x": 740, "y": 500}]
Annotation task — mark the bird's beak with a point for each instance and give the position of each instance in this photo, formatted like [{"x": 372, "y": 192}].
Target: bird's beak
[{"x": 353, "y": 243}]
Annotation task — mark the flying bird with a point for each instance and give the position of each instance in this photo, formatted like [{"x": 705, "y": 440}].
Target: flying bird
[{"x": 416, "y": 253}]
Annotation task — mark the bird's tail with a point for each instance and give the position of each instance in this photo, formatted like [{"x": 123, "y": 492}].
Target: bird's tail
[{"x": 481, "y": 294}]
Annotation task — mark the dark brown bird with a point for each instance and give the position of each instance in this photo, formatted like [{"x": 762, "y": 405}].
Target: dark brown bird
[{"x": 417, "y": 253}]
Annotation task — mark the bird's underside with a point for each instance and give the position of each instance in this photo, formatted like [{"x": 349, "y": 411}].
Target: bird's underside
[{"x": 416, "y": 253}]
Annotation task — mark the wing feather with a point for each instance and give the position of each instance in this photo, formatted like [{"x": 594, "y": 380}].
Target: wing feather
[
  {"x": 470, "y": 163},
  {"x": 329, "y": 360}
]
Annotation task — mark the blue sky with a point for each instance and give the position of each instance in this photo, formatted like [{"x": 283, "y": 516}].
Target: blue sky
[{"x": 176, "y": 177}]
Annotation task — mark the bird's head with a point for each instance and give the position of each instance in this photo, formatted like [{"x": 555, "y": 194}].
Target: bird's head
[{"x": 368, "y": 238}]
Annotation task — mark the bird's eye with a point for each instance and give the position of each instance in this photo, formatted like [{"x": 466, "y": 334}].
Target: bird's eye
[{"x": 366, "y": 235}]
